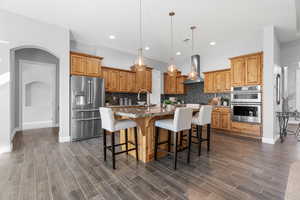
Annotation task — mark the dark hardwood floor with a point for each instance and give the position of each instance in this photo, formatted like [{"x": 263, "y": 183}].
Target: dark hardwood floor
[{"x": 41, "y": 168}]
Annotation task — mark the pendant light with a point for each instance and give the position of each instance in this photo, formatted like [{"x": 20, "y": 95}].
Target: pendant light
[
  {"x": 172, "y": 69},
  {"x": 139, "y": 64},
  {"x": 193, "y": 75}
]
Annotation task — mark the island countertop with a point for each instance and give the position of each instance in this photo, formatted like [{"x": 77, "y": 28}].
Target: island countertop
[{"x": 148, "y": 112}]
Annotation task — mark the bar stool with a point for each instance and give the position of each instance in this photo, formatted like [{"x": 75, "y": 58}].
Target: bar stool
[
  {"x": 181, "y": 122},
  {"x": 202, "y": 118},
  {"x": 111, "y": 125}
]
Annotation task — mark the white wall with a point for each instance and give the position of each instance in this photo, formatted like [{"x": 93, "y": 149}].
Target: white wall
[
  {"x": 115, "y": 58},
  {"x": 290, "y": 57},
  {"x": 271, "y": 69},
  {"x": 217, "y": 57},
  {"x": 19, "y": 31}
]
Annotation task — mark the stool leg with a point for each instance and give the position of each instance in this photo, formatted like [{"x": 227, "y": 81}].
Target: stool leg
[
  {"x": 175, "y": 150},
  {"x": 189, "y": 145},
  {"x": 181, "y": 138},
  {"x": 136, "y": 144},
  {"x": 126, "y": 140},
  {"x": 104, "y": 144},
  {"x": 156, "y": 142},
  {"x": 113, "y": 150},
  {"x": 169, "y": 141},
  {"x": 199, "y": 139},
  {"x": 208, "y": 137}
]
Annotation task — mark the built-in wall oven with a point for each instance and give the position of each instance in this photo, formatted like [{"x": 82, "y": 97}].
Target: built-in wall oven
[{"x": 246, "y": 103}]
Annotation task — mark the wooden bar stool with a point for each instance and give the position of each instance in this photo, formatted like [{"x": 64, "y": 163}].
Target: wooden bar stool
[
  {"x": 181, "y": 122},
  {"x": 202, "y": 118},
  {"x": 111, "y": 125}
]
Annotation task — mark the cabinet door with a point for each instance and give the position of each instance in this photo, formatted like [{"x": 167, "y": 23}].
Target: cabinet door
[
  {"x": 238, "y": 72},
  {"x": 149, "y": 80},
  {"x": 93, "y": 67},
  {"x": 123, "y": 81},
  {"x": 215, "y": 119},
  {"x": 253, "y": 70},
  {"x": 114, "y": 84},
  {"x": 219, "y": 81},
  {"x": 140, "y": 80},
  {"x": 180, "y": 89},
  {"x": 209, "y": 82},
  {"x": 131, "y": 82},
  {"x": 166, "y": 84},
  {"x": 225, "y": 120},
  {"x": 227, "y": 75},
  {"x": 105, "y": 76},
  {"x": 78, "y": 65},
  {"x": 172, "y": 84}
]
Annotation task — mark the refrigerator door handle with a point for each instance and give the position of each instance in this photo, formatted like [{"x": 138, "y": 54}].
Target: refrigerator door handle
[{"x": 90, "y": 91}]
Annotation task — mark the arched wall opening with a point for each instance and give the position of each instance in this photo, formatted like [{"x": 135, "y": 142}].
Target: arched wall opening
[{"x": 34, "y": 88}]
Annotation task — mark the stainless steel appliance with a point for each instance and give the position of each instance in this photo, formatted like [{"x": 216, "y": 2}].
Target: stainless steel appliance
[
  {"x": 246, "y": 112},
  {"x": 247, "y": 94},
  {"x": 87, "y": 95},
  {"x": 246, "y": 104}
]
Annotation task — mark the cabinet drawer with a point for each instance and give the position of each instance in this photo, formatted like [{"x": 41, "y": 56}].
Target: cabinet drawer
[{"x": 251, "y": 129}]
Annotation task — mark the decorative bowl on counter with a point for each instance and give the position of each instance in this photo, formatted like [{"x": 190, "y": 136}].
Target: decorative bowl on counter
[{"x": 141, "y": 103}]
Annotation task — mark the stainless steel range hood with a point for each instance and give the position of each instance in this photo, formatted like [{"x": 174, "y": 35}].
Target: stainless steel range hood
[{"x": 195, "y": 61}]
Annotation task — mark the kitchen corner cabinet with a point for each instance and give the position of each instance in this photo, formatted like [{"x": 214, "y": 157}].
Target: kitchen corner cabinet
[
  {"x": 85, "y": 65},
  {"x": 217, "y": 81},
  {"x": 174, "y": 84},
  {"x": 246, "y": 70}
]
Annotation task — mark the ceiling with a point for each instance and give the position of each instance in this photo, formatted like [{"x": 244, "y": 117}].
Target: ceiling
[{"x": 92, "y": 21}]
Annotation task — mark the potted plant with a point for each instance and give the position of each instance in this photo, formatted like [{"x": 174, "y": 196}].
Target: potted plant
[{"x": 168, "y": 104}]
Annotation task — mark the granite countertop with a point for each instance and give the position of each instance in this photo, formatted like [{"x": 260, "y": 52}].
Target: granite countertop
[{"x": 142, "y": 112}]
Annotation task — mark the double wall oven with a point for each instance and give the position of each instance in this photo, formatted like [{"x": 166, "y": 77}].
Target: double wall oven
[{"x": 246, "y": 104}]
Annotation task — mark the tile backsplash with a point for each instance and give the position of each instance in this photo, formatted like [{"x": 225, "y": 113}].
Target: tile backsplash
[
  {"x": 195, "y": 95},
  {"x": 114, "y": 98}
]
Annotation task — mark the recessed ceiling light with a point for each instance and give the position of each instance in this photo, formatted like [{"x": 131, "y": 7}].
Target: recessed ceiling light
[
  {"x": 178, "y": 53},
  {"x": 112, "y": 37},
  {"x": 212, "y": 43},
  {"x": 147, "y": 48}
]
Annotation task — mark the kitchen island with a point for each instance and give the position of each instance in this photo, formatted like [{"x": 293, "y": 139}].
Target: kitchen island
[{"x": 145, "y": 118}]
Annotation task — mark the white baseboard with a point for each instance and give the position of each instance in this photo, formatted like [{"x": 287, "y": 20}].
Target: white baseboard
[
  {"x": 6, "y": 149},
  {"x": 64, "y": 139},
  {"x": 270, "y": 140},
  {"x": 38, "y": 124},
  {"x": 14, "y": 133}
]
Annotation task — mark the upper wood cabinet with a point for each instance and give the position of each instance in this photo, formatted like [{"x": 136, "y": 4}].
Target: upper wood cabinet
[
  {"x": 246, "y": 70},
  {"x": 143, "y": 79},
  {"x": 123, "y": 81},
  {"x": 105, "y": 76},
  {"x": 131, "y": 83},
  {"x": 217, "y": 81},
  {"x": 180, "y": 87},
  {"x": 174, "y": 84},
  {"x": 85, "y": 65},
  {"x": 114, "y": 81}
]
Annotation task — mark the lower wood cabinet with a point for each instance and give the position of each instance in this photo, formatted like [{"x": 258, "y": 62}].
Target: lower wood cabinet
[{"x": 221, "y": 120}]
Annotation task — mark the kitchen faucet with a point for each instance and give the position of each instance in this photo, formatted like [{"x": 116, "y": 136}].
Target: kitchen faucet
[{"x": 148, "y": 95}]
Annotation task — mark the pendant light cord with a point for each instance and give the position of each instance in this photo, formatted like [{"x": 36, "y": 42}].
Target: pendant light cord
[
  {"x": 172, "y": 37},
  {"x": 141, "y": 39}
]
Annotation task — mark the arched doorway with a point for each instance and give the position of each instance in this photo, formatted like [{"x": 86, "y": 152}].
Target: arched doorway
[{"x": 34, "y": 88}]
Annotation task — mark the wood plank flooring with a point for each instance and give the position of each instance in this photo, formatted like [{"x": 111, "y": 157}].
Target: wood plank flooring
[{"x": 41, "y": 168}]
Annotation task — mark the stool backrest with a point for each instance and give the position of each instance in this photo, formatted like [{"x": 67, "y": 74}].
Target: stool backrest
[
  {"x": 183, "y": 119},
  {"x": 107, "y": 118},
  {"x": 204, "y": 115}
]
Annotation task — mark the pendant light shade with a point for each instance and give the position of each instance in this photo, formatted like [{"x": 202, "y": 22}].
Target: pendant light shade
[
  {"x": 172, "y": 69},
  {"x": 193, "y": 75},
  {"x": 139, "y": 63}
]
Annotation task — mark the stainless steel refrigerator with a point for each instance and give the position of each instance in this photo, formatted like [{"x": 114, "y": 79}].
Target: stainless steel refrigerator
[{"x": 87, "y": 95}]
